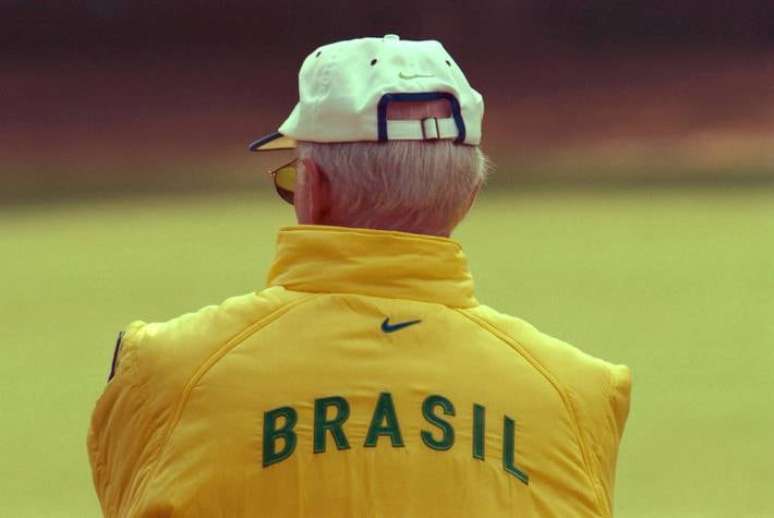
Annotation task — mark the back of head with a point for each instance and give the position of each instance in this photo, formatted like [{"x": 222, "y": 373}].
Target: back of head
[
  {"x": 414, "y": 186},
  {"x": 387, "y": 132}
]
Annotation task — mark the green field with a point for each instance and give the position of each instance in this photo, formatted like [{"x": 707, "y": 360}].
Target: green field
[{"x": 677, "y": 284}]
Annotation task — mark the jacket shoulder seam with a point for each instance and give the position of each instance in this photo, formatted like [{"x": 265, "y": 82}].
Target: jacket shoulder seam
[
  {"x": 521, "y": 350},
  {"x": 203, "y": 368}
]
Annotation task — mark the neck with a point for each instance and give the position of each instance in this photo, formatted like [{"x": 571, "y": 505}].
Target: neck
[{"x": 399, "y": 223}]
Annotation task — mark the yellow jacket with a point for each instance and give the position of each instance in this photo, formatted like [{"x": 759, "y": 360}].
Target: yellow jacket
[{"x": 365, "y": 381}]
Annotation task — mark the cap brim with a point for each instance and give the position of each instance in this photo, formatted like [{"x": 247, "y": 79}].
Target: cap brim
[{"x": 272, "y": 142}]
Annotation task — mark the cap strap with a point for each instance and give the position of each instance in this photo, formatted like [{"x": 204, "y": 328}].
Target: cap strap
[
  {"x": 425, "y": 129},
  {"x": 411, "y": 134}
]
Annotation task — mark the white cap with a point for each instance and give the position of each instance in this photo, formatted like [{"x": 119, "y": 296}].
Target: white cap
[{"x": 344, "y": 89}]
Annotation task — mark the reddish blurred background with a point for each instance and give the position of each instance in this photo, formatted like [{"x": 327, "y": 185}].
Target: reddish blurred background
[{"x": 104, "y": 96}]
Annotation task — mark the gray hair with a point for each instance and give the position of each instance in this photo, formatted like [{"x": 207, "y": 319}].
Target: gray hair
[{"x": 410, "y": 186}]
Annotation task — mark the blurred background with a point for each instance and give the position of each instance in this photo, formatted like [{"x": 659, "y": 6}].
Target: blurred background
[
  {"x": 631, "y": 212},
  {"x": 111, "y": 95}
]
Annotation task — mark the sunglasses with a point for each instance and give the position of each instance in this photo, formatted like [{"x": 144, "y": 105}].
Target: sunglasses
[{"x": 285, "y": 180}]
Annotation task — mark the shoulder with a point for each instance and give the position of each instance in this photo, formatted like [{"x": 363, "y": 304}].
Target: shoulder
[
  {"x": 212, "y": 323},
  {"x": 595, "y": 392},
  {"x": 175, "y": 348},
  {"x": 548, "y": 349},
  {"x": 588, "y": 380}
]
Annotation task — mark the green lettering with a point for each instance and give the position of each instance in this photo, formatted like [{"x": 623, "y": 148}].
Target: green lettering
[
  {"x": 447, "y": 438},
  {"x": 384, "y": 411},
  {"x": 479, "y": 431},
  {"x": 509, "y": 450},
  {"x": 271, "y": 433},
  {"x": 322, "y": 424}
]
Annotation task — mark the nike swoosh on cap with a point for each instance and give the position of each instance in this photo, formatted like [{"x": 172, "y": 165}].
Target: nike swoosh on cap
[{"x": 413, "y": 76}]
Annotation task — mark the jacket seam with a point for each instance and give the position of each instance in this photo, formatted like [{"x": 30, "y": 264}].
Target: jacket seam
[
  {"x": 203, "y": 368},
  {"x": 609, "y": 491},
  {"x": 609, "y": 396},
  {"x": 519, "y": 348},
  {"x": 474, "y": 303}
]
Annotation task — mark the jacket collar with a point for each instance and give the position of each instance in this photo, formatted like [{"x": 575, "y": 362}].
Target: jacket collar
[{"x": 397, "y": 265}]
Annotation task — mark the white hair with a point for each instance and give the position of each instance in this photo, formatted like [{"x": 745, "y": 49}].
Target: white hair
[{"x": 410, "y": 186}]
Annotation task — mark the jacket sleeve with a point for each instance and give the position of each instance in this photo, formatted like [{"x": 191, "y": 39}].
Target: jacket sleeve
[
  {"x": 124, "y": 427},
  {"x": 617, "y": 412}
]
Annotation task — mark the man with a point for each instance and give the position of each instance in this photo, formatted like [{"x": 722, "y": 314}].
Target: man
[{"x": 366, "y": 380}]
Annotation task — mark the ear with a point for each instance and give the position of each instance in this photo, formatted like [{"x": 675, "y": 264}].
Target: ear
[{"x": 312, "y": 196}]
